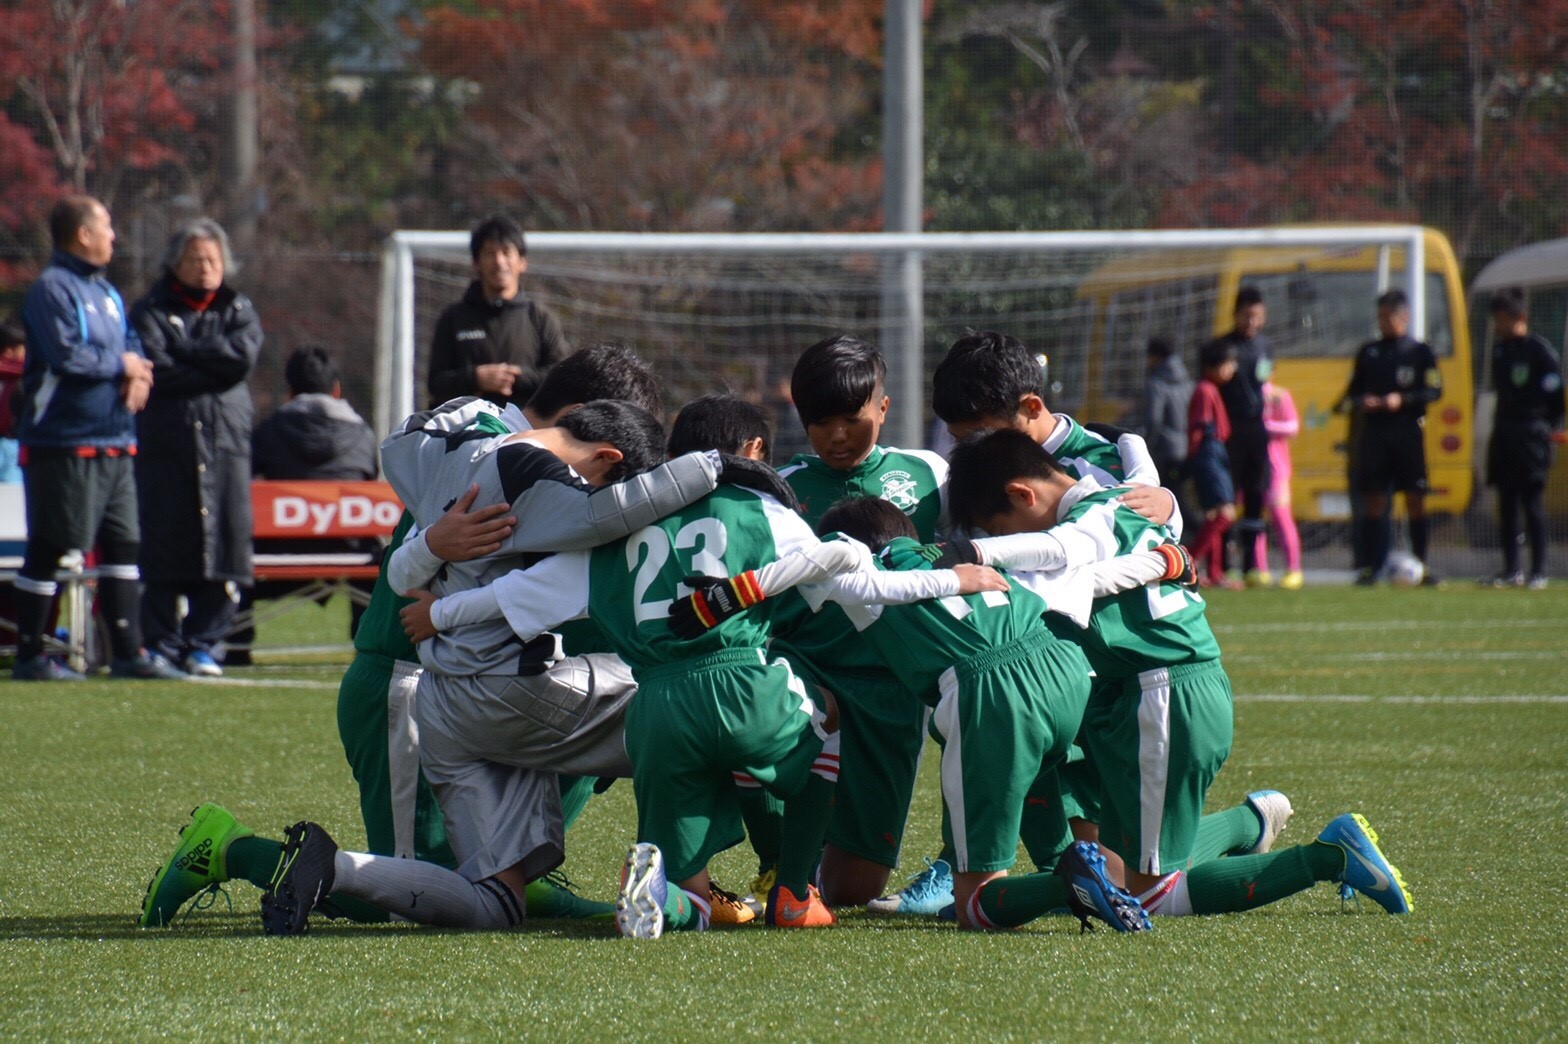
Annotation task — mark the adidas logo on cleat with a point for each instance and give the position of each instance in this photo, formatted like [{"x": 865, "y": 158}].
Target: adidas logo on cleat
[{"x": 198, "y": 860}]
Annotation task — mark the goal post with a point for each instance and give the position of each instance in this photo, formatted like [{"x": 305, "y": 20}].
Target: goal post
[{"x": 714, "y": 310}]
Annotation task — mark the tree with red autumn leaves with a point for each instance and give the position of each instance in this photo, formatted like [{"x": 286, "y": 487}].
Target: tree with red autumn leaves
[{"x": 669, "y": 114}]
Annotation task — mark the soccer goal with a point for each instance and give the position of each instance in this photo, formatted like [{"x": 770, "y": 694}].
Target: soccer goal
[{"x": 731, "y": 312}]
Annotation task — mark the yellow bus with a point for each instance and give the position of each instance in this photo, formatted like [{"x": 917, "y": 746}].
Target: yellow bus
[{"x": 1320, "y": 310}]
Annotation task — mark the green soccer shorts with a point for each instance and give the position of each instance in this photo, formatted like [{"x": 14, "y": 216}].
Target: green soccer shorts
[
  {"x": 375, "y": 723},
  {"x": 881, "y": 728},
  {"x": 693, "y": 726},
  {"x": 1158, "y": 740},
  {"x": 1003, "y": 718}
]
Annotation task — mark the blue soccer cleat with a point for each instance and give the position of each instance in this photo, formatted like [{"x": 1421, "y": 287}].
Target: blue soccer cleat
[
  {"x": 924, "y": 896},
  {"x": 1366, "y": 869},
  {"x": 1091, "y": 894},
  {"x": 639, "y": 906}
]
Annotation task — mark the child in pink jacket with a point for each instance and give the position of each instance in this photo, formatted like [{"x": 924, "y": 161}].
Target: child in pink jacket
[{"x": 1282, "y": 424}]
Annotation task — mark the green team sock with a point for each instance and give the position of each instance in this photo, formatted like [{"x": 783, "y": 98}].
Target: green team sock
[
  {"x": 1008, "y": 902},
  {"x": 763, "y": 814},
  {"x": 805, "y": 823},
  {"x": 358, "y": 910},
  {"x": 1224, "y": 832},
  {"x": 1248, "y": 882},
  {"x": 253, "y": 859},
  {"x": 575, "y": 792},
  {"x": 680, "y": 913}
]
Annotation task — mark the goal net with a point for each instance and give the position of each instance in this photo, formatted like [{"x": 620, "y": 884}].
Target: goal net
[{"x": 733, "y": 312}]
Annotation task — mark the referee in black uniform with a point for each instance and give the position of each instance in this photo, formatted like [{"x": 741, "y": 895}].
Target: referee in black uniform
[
  {"x": 1528, "y": 379},
  {"x": 1394, "y": 380}
]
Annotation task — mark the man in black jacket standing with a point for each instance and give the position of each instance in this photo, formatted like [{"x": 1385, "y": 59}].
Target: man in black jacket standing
[
  {"x": 1395, "y": 379},
  {"x": 1248, "y": 445},
  {"x": 1528, "y": 379},
  {"x": 495, "y": 342}
]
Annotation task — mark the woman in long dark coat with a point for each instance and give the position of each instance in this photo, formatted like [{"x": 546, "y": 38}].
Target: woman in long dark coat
[{"x": 193, "y": 447}]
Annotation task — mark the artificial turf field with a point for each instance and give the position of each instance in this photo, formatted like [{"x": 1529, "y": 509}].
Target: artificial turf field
[{"x": 1440, "y": 714}]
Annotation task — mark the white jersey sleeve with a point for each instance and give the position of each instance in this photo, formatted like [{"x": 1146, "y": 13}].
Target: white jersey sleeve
[
  {"x": 1065, "y": 546},
  {"x": 533, "y": 600},
  {"x": 1138, "y": 466},
  {"x": 411, "y": 565}
]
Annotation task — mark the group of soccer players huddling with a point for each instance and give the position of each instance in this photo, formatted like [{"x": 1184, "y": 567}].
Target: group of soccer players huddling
[{"x": 763, "y": 653}]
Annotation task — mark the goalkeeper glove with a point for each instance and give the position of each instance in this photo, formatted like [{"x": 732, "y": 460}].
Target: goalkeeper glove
[
  {"x": 712, "y": 601},
  {"x": 1178, "y": 565}
]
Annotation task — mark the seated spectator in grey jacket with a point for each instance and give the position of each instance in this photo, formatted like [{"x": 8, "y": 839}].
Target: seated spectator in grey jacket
[{"x": 315, "y": 435}]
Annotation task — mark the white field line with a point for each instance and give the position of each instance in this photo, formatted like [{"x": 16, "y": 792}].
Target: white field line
[
  {"x": 1301, "y": 697},
  {"x": 1412, "y": 655},
  {"x": 268, "y": 683},
  {"x": 1363, "y": 627}
]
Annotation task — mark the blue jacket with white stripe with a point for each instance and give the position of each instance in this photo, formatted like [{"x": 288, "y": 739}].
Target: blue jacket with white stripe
[{"x": 77, "y": 329}]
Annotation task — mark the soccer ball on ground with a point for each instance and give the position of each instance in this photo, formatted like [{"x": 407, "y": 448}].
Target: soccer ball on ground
[{"x": 1404, "y": 569}]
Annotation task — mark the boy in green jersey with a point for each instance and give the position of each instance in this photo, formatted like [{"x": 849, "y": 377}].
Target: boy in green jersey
[
  {"x": 838, "y": 387},
  {"x": 1159, "y": 722},
  {"x": 992, "y": 380},
  {"x": 711, "y": 702},
  {"x": 1008, "y": 697}
]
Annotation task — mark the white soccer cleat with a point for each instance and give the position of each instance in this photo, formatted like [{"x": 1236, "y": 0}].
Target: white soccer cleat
[
  {"x": 639, "y": 906},
  {"x": 1274, "y": 812}
]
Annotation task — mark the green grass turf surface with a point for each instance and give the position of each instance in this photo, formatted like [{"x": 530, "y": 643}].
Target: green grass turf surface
[{"x": 1442, "y": 715}]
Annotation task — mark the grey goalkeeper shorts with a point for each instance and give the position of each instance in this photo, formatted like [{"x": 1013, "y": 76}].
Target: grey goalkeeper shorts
[{"x": 492, "y": 745}]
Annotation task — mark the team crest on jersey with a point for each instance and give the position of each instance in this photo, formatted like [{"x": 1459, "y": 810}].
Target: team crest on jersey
[
  {"x": 1405, "y": 376},
  {"x": 1520, "y": 374},
  {"x": 898, "y": 489},
  {"x": 113, "y": 309}
]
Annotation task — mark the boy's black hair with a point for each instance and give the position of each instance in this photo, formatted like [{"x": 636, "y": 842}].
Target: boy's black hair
[
  {"x": 1248, "y": 296},
  {"x": 497, "y": 228},
  {"x": 719, "y": 422},
  {"x": 981, "y": 466},
  {"x": 310, "y": 371},
  {"x": 1393, "y": 300},
  {"x": 1161, "y": 348},
  {"x": 629, "y": 428},
  {"x": 1215, "y": 354},
  {"x": 983, "y": 376},
  {"x": 835, "y": 376},
  {"x": 12, "y": 333},
  {"x": 870, "y": 520},
  {"x": 607, "y": 370},
  {"x": 1511, "y": 301}
]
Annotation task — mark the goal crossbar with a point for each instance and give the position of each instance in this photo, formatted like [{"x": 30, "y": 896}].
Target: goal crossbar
[{"x": 395, "y": 343}]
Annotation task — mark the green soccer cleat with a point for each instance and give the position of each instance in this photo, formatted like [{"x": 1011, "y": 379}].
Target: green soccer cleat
[
  {"x": 198, "y": 864},
  {"x": 552, "y": 896},
  {"x": 1367, "y": 870}
]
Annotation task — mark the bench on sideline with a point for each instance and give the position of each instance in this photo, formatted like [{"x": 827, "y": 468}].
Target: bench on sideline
[
  {"x": 327, "y": 512},
  {"x": 300, "y": 512}
]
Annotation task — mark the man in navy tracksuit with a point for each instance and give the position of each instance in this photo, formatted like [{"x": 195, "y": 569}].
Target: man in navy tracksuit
[{"x": 84, "y": 379}]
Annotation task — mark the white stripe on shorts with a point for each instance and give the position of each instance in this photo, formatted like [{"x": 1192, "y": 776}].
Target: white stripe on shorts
[
  {"x": 946, "y": 720},
  {"x": 1154, "y": 754},
  {"x": 402, "y": 755}
]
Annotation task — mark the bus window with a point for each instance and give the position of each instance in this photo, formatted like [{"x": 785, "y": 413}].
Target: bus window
[
  {"x": 1328, "y": 315},
  {"x": 1180, "y": 311}
]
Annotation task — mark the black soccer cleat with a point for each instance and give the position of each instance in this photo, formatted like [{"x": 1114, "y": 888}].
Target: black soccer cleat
[
  {"x": 301, "y": 881},
  {"x": 1091, "y": 894}
]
